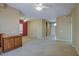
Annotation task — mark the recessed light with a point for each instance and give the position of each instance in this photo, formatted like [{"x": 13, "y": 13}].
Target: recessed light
[{"x": 25, "y": 20}]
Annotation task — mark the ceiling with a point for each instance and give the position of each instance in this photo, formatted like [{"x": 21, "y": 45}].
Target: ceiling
[{"x": 56, "y": 9}]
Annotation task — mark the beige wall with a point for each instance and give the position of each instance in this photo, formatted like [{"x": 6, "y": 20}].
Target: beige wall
[
  {"x": 9, "y": 20},
  {"x": 46, "y": 29},
  {"x": 63, "y": 28},
  {"x": 35, "y": 28},
  {"x": 75, "y": 27}
]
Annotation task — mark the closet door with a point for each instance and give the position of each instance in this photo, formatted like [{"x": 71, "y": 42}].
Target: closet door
[{"x": 63, "y": 28}]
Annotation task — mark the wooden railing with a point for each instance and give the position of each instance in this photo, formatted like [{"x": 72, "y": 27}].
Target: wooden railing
[
  {"x": 0, "y": 42},
  {"x": 10, "y": 42}
]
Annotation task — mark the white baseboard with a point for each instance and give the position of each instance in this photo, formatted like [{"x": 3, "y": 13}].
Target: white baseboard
[{"x": 65, "y": 41}]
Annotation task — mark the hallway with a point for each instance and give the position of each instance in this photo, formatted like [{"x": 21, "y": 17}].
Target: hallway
[{"x": 40, "y": 36}]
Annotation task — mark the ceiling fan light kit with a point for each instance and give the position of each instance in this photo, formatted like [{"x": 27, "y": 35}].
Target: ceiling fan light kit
[{"x": 39, "y": 6}]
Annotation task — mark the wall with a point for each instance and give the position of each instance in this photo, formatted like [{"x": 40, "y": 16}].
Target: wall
[
  {"x": 9, "y": 20},
  {"x": 63, "y": 28},
  {"x": 35, "y": 28},
  {"x": 46, "y": 28},
  {"x": 75, "y": 27}
]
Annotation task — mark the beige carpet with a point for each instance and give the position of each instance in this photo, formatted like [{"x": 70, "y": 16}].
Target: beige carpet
[{"x": 41, "y": 47}]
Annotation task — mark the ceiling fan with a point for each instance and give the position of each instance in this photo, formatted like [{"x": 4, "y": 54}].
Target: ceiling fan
[{"x": 39, "y": 6}]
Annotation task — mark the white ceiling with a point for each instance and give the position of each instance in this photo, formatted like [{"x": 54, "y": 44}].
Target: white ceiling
[{"x": 56, "y": 9}]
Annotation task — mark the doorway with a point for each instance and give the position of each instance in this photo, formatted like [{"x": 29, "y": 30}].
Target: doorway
[{"x": 53, "y": 29}]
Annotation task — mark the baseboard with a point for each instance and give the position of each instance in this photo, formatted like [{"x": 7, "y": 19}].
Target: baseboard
[{"x": 65, "y": 41}]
